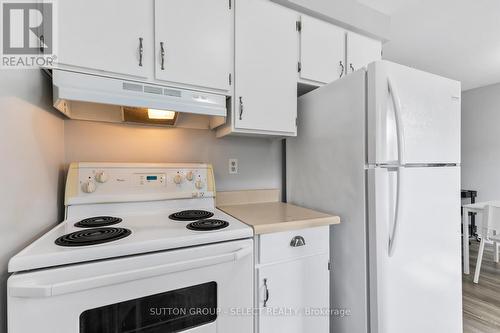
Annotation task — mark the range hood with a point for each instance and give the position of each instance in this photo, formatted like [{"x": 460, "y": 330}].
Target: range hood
[{"x": 69, "y": 87}]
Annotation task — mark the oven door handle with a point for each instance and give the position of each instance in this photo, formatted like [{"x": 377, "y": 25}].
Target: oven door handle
[{"x": 34, "y": 290}]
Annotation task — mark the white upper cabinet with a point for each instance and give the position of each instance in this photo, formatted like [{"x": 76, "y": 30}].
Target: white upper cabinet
[
  {"x": 106, "y": 36},
  {"x": 361, "y": 51},
  {"x": 193, "y": 42},
  {"x": 184, "y": 43},
  {"x": 256, "y": 52},
  {"x": 265, "y": 98},
  {"x": 322, "y": 50}
]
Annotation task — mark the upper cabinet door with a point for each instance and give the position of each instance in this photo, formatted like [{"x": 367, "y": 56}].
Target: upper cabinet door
[
  {"x": 361, "y": 51},
  {"x": 322, "y": 50},
  {"x": 193, "y": 42},
  {"x": 106, "y": 36},
  {"x": 266, "y": 67}
]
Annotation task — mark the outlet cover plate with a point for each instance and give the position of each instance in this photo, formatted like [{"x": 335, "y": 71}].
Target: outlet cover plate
[{"x": 233, "y": 166}]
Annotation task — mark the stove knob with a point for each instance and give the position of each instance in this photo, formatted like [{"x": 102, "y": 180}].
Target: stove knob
[
  {"x": 198, "y": 184},
  {"x": 178, "y": 178},
  {"x": 89, "y": 186},
  {"x": 189, "y": 175},
  {"x": 102, "y": 177}
]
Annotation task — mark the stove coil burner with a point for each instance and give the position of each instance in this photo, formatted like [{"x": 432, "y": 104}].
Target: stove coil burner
[
  {"x": 98, "y": 221},
  {"x": 207, "y": 225},
  {"x": 191, "y": 215},
  {"x": 92, "y": 236}
]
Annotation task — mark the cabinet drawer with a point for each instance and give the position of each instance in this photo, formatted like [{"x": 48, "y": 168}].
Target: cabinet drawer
[{"x": 279, "y": 246}]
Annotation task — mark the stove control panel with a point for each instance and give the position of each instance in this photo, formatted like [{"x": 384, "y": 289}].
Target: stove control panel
[
  {"x": 151, "y": 179},
  {"x": 116, "y": 182}
]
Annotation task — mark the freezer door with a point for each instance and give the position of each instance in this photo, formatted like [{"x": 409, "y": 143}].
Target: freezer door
[
  {"x": 414, "y": 250},
  {"x": 413, "y": 116}
]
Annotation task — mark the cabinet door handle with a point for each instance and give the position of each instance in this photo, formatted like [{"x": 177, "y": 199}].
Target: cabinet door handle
[
  {"x": 42, "y": 43},
  {"x": 342, "y": 68},
  {"x": 162, "y": 52},
  {"x": 297, "y": 241},
  {"x": 241, "y": 108},
  {"x": 351, "y": 67},
  {"x": 141, "y": 51},
  {"x": 266, "y": 297}
]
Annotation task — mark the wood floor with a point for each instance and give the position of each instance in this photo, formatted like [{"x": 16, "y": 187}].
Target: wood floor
[{"x": 481, "y": 302}]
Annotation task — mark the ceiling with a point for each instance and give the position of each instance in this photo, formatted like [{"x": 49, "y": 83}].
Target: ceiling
[
  {"x": 459, "y": 39},
  {"x": 388, "y": 6}
]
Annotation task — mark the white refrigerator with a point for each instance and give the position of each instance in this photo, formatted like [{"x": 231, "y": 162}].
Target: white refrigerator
[{"x": 381, "y": 148}]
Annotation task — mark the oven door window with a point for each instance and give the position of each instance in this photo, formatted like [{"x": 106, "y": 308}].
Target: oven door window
[{"x": 171, "y": 311}]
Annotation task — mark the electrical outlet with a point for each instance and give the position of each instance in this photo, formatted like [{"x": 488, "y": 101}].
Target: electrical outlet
[{"x": 233, "y": 166}]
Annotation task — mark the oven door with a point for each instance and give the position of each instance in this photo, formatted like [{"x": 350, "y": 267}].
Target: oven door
[{"x": 203, "y": 289}]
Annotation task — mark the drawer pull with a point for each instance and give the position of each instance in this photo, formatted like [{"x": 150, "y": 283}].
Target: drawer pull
[{"x": 297, "y": 241}]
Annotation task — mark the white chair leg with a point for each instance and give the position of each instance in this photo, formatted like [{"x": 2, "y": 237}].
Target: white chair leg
[
  {"x": 495, "y": 248},
  {"x": 479, "y": 260}
]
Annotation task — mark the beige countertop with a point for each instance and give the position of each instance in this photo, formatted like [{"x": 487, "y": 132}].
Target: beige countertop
[{"x": 269, "y": 217}]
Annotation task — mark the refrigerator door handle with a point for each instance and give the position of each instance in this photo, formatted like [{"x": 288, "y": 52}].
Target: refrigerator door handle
[
  {"x": 394, "y": 231},
  {"x": 399, "y": 125}
]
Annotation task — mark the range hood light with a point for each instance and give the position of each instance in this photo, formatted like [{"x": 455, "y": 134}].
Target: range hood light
[
  {"x": 149, "y": 116},
  {"x": 161, "y": 114}
]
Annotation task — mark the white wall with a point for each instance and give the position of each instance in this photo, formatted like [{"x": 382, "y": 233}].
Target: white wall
[
  {"x": 259, "y": 158},
  {"x": 481, "y": 141},
  {"x": 455, "y": 39},
  {"x": 32, "y": 160}
]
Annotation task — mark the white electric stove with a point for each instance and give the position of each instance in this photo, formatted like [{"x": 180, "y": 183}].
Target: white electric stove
[{"x": 142, "y": 249}]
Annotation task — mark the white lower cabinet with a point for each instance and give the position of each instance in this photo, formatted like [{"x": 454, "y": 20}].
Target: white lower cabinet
[{"x": 292, "y": 281}]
